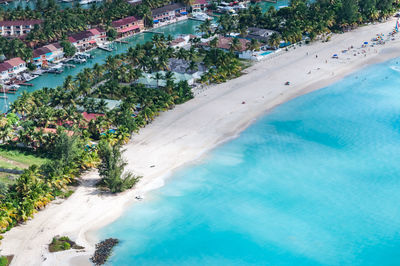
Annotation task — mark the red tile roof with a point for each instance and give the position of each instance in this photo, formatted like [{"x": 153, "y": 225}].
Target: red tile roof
[
  {"x": 90, "y": 116},
  {"x": 177, "y": 41},
  {"x": 134, "y": 27},
  {"x": 124, "y": 21},
  {"x": 40, "y": 51},
  {"x": 20, "y": 22},
  {"x": 5, "y": 67},
  {"x": 85, "y": 34},
  {"x": 16, "y": 61},
  {"x": 95, "y": 32}
]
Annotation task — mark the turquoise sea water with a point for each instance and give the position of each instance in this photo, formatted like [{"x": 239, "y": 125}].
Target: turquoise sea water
[{"x": 314, "y": 182}]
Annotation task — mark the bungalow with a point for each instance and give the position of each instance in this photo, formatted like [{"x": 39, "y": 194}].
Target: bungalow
[
  {"x": 225, "y": 44},
  {"x": 128, "y": 26},
  {"x": 17, "y": 65},
  {"x": 199, "y": 5},
  {"x": 48, "y": 53},
  {"x": 17, "y": 27},
  {"x": 4, "y": 70},
  {"x": 169, "y": 14},
  {"x": 11, "y": 67},
  {"x": 261, "y": 35},
  {"x": 88, "y": 39}
]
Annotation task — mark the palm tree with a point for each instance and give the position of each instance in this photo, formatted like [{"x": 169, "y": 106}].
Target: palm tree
[
  {"x": 158, "y": 76},
  {"x": 274, "y": 40},
  {"x": 235, "y": 45},
  {"x": 205, "y": 28},
  {"x": 193, "y": 66},
  {"x": 214, "y": 42},
  {"x": 253, "y": 45}
]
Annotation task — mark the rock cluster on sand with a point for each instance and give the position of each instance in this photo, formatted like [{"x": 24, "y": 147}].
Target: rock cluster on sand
[{"x": 103, "y": 251}]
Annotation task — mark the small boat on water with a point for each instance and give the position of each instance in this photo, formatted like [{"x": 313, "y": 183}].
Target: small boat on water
[
  {"x": 28, "y": 77},
  {"x": 10, "y": 88},
  {"x": 79, "y": 60},
  {"x": 57, "y": 69},
  {"x": 86, "y": 2},
  {"x": 106, "y": 48},
  {"x": 201, "y": 16},
  {"x": 83, "y": 55}
]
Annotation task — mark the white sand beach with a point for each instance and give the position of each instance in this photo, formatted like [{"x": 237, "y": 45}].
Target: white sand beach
[{"x": 182, "y": 135}]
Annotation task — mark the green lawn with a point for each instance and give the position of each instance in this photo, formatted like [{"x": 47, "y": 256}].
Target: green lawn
[
  {"x": 18, "y": 159},
  {"x": 7, "y": 179}
]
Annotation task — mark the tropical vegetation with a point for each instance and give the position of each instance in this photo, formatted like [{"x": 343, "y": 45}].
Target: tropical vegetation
[
  {"x": 308, "y": 18},
  {"x": 62, "y": 243},
  {"x": 50, "y": 121}
]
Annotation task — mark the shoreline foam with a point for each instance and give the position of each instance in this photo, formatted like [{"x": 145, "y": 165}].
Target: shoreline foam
[{"x": 183, "y": 135}]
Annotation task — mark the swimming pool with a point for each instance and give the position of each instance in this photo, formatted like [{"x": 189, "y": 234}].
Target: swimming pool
[{"x": 266, "y": 53}]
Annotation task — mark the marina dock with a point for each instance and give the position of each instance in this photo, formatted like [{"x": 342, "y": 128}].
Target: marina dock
[{"x": 108, "y": 49}]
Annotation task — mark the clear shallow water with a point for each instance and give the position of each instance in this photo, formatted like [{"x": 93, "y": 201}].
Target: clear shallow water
[{"x": 315, "y": 182}]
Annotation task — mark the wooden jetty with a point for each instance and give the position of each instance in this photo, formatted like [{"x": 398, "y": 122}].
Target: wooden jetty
[
  {"x": 4, "y": 90},
  {"x": 155, "y": 32}
]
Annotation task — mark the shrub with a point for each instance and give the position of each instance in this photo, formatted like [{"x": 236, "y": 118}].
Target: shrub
[
  {"x": 66, "y": 246},
  {"x": 112, "y": 167},
  {"x": 3, "y": 261}
]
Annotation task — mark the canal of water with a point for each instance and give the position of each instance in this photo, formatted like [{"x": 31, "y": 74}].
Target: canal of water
[{"x": 54, "y": 80}]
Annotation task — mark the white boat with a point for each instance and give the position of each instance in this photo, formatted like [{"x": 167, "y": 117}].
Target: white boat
[
  {"x": 57, "y": 69},
  {"x": 79, "y": 60},
  {"x": 67, "y": 1},
  {"x": 201, "y": 16},
  {"x": 240, "y": 7},
  {"x": 83, "y": 55},
  {"x": 85, "y": 2},
  {"x": 225, "y": 9},
  {"x": 28, "y": 77}
]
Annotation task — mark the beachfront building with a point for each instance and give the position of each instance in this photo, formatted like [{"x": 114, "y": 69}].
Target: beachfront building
[
  {"x": 181, "y": 66},
  {"x": 225, "y": 43},
  {"x": 261, "y": 35},
  {"x": 17, "y": 65},
  {"x": 199, "y": 5},
  {"x": 88, "y": 39},
  {"x": 4, "y": 70},
  {"x": 183, "y": 41},
  {"x": 169, "y": 14},
  {"x": 128, "y": 26},
  {"x": 17, "y": 28},
  {"x": 12, "y": 67},
  {"x": 51, "y": 53}
]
